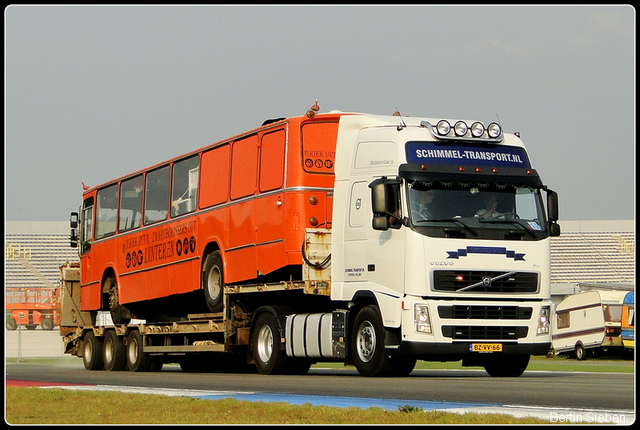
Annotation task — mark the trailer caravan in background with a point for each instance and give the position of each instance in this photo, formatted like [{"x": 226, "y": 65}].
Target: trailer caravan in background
[
  {"x": 587, "y": 322},
  {"x": 628, "y": 321}
]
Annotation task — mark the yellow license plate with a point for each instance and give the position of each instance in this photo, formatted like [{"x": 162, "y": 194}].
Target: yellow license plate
[{"x": 485, "y": 347}]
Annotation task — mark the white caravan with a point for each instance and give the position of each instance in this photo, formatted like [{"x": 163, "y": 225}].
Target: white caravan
[{"x": 588, "y": 321}]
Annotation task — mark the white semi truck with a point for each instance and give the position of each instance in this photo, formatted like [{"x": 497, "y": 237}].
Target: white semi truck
[{"x": 435, "y": 246}]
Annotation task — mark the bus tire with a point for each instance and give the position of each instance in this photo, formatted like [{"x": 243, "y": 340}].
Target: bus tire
[
  {"x": 47, "y": 324},
  {"x": 367, "y": 343},
  {"x": 213, "y": 281},
  {"x": 114, "y": 352},
  {"x": 137, "y": 359},
  {"x": 92, "y": 352},
  {"x": 269, "y": 357},
  {"x": 119, "y": 313},
  {"x": 507, "y": 365}
]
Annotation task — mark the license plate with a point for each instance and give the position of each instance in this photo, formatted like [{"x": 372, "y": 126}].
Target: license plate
[{"x": 485, "y": 347}]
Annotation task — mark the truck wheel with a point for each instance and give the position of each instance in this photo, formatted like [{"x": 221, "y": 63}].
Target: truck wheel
[
  {"x": 47, "y": 324},
  {"x": 401, "y": 366},
  {"x": 507, "y": 365},
  {"x": 265, "y": 344},
  {"x": 92, "y": 352},
  {"x": 367, "y": 343},
  {"x": 119, "y": 314},
  {"x": 581, "y": 353},
  {"x": 11, "y": 324},
  {"x": 114, "y": 352},
  {"x": 213, "y": 281},
  {"x": 137, "y": 360}
]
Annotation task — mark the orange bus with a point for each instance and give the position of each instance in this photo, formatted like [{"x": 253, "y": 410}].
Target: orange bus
[{"x": 162, "y": 242}]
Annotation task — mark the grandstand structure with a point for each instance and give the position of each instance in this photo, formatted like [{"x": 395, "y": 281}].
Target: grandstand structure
[{"x": 587, "y": 253}]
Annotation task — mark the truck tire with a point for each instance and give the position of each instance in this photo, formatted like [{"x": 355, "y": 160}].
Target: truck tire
[
  {"x": 47, "y": 324},
  {"x": 92, "y": 352},
  {"x": 137, "y": 359},
  {"x": 213, "y": 281},
  {"x": 507, "y": 365},
  {"x": 11, "y": 324},
  {"x": 265, "y": 344},
  {"x": 367, "y": 343},
  {"x": 114, "y": 352}
]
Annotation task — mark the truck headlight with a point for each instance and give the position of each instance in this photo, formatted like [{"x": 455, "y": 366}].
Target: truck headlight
[
  {"x": 421, "y": 318},
  {"x": 543, "y": 320}
]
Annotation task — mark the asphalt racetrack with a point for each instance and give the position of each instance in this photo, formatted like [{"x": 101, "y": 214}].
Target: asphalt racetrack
[{"x": 535, "y": 393}]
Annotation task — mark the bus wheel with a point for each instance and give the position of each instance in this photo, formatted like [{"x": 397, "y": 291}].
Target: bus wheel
[
  {"x": 114, "y": 353},
  {"x": 11, "y": 324},
  {"x": 581, "y": 353},
  {"x": 212, "y": 282},
  {"x": 47, "y": 324},
  {"x": 137, "y": 360},
  {"x": 507, "y": 365},
  {"x": 92, "y": 352},
  {"x": 367, "y": 343},
  {"x": 265, "y": 344},
  {"x": 119, "y": 314}
]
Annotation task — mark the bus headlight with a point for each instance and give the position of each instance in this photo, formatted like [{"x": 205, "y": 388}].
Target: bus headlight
[
  {"x": 421, "y": 318},
  {"x": 543, "y": 320}
]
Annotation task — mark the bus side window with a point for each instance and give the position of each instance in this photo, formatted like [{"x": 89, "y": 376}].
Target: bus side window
[
  {"x": 184, "y": 186},
  {"x": 156, "y": 202},
  {"x": 130, "y": 215},
  {"x": 107, "y": 211}
]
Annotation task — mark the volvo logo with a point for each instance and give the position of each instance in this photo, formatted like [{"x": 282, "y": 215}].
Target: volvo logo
[{"x": 486, "y": 281}]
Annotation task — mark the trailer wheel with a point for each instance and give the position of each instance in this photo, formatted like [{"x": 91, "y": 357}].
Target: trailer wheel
[
  {"x": 507, "y": 365},
  {"x": 47, "y": 324},
  {"x": 137, "y": 359},
  {"x": 114, "y": 352},
  {"x": 11, "y": 324},
  {"x": 265, "y": 344},
  {"x": 367, "y": 343},
  {"x": 92, "y": 352},
  {"x": 581, "y": 353}
]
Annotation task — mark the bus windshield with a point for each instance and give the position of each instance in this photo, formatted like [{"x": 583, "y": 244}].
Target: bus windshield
[{"x": 481, "y": 210}]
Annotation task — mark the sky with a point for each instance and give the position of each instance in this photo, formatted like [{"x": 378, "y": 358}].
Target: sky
[{"x": 93, "y": 93}]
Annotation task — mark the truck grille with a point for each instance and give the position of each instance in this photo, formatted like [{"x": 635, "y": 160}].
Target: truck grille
[
  {"x": 485, "y": 312},
  {"x": 484, "y": 332},
  {"x": 453, "y": 280}
]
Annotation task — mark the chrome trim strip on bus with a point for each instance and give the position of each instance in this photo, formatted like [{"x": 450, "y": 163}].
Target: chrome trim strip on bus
[
  {"x": 90, "y": 283},
  {"x": 249, "y": 245},
  {"x": 146, "y": 269}
]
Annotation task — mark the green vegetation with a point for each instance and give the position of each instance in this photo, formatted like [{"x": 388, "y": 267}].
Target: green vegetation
[{"x": 32, "y": 405}]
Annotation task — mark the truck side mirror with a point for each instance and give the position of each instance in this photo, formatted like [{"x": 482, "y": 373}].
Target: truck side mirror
[
  {"x": 385, "y": 203},
  {"x": 378, "y": 197},
  {"x": 73, "y": 223},
  {"x": 552, "y": 208},
  {"x": 552, "y": 205}
]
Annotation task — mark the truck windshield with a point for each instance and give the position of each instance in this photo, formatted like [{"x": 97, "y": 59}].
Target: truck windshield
[{"x": 476, "y": 210}]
